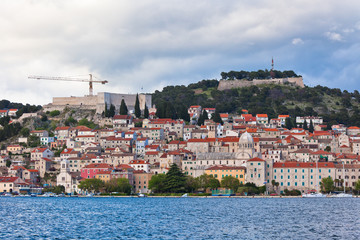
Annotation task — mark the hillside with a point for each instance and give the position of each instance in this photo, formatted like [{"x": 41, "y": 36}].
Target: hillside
[{"x": 334, "y": 105}]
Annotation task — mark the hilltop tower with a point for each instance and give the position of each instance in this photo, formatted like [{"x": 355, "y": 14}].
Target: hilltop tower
[{"x": 272, "y": 74}]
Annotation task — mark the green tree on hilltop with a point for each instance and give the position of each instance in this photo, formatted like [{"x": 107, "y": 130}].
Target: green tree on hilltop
[
  {"x": 146, "y": 112},
  {"x": 137, "y": 107},
  {"x": 123, "y": 108}
]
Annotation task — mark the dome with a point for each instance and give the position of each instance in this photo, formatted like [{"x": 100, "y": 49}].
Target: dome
[{"x": 246, "y": 138}]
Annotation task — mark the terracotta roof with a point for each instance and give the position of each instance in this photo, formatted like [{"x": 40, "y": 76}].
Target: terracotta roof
[
  {"x": 8, "y": 179},
  {"x": 98, "y": 165},
  {"x": 303, "y": 165},
  {"x": 223, "y": 167},
  {"x": 256, "y": 160}
]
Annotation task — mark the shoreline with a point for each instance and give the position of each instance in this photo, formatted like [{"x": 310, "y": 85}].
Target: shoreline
[{"x": 355, "y": 196}]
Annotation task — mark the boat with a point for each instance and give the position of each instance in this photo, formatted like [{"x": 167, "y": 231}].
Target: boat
[
  {"x": 185, "y": 195},
  {"x": 90, "y": 195},
  {"x": 7, "y": 195},
  {"x": 141, "y": 195},
  {"x": 343, "y": 194},
  {"x": 317, "y": 194},
  {"x": 33, "y": 195},
  {"x": 313, "y": 195}
]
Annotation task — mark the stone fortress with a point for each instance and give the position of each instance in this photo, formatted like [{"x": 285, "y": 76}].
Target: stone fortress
[
  {"x": 237, "y": 83},
  {"x": 97, "y": 102}
]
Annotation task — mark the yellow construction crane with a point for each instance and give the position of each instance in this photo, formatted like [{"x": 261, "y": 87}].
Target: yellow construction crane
[{"x": 72, "y": 79}]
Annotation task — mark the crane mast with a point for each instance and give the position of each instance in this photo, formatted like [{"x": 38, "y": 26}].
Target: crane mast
[{"x": 90, "y": 80}]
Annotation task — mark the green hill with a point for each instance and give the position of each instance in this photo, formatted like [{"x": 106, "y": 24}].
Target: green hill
[{"x": 334, "y": 105}]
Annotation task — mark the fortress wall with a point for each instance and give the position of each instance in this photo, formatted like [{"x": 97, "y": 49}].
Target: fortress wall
[
  {"x": 98, "y": 101},
  {"x": 77, "y": 101},
  {"x": 229, "y": 84}
]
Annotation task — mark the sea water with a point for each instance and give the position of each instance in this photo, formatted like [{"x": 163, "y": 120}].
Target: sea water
[{"x": 179, "y": 218}]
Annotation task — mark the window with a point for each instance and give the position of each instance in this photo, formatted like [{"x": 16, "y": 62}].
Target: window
[{"x": 288, "y": 176}]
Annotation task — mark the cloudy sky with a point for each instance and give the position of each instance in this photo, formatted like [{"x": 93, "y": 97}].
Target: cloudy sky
[{"x": 152, "y": 44}]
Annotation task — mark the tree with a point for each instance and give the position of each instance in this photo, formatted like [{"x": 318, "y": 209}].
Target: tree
[
  {"x": 230, "y": 182},
  {"x": 33, "y": 141},
  {"x": 216, "y": 117},
  {"x": 25, "y": 132},
  {"x": 191, "y": 184},
  {"x": 111, "y": 112},
  {"x": 121, "y": 185},
  {"x": 123, "y": 108},
  {"x": 8, "y": 162},
  {"x": 137, "y": 107},
  {"x": 288, "y": 123},
  {"x": 157, "y": 183},
  {"x": 91, "y": 185},
  {"x": 305, "y": 125},
  {"x": 146, "y": 112},
  {"x": 327, "y": 184},
  {"x": 87, "y": 123},
  {"x": 205, "y": 115},
  {"x": 328, "y": 149},
  {"x": 175, "y": 180},
  {"x": 200, "y": 120},
  {"x": 106, "y": 111},
  {"x": 311, "y": 127},
  {"x": 357, "y": 186},
  {"x": 213, "y": 183},
  {"x": 54, "y": 113},
  {"x": 203, "y": 181}
]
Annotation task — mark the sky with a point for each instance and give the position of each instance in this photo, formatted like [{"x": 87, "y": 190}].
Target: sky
[{"x": 143, "y": 46}]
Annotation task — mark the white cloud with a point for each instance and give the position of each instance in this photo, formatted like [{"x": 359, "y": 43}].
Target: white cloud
[
  {"x": 334, "y": 36},
  {"x": 158, "y": 43},
  {"x": 297, "y": 41}
]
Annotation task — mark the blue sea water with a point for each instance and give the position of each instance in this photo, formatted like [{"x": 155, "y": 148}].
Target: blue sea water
[{"x": 179, "y": 218}]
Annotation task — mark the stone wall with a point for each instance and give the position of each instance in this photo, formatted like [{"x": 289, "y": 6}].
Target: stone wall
[
  {"x": 229, "y": 84},
  {"x": 98, "y": 102}
]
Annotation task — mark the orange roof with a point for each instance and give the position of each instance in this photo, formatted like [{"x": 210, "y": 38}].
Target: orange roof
[
  {"x": 262, "y": 115},
  {"x": 256, "y": 160},
  {"x": 303, "y": 165},
  {"x": 39, "y": 150},
  {"x": 353, "y": 127},
  {"x": 223, "y": 167},
  {"x": 195, "y": 106},
  {"x": 283, "y": 116},
  {"x": 224, "y": 115},
  {"x": 271, "y": 129},
  {"x": 98, "y": 165}
]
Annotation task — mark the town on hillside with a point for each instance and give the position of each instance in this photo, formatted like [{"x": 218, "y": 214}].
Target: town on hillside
[{"x": 127, "y": 151}]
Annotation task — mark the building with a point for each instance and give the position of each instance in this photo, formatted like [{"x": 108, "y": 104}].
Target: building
[
  {"x": 66, "y": 179},
  {"x": 221, "y": 171},
  {"x": 141, "y": 181}
]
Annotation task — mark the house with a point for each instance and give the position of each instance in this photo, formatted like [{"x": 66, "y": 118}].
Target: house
[
  {"x": 12, "y": 112},
  {"x": 221, "y": 171},
  {"x": 69, "y": 153},
  {"x": 43, "y": 165},
  {"x": 141, "y": 181},
  {"x": 140, "y": 165},
  {"x": 91, "y": 170},
  {"x": 46, "y": 140},
  {"x": 39, "y": 153},
  {"x": 4, "y": 113},
  {"x": 352, "y": 130},
  {"x": 194, "y": 111},
  {"x": 62, "y": 133},
  {"x": 282, "y": 119},
  {"x": 262, "y": 119},
  {"x": 11, "y": 184},
  {"x": 14, "y": 149},
  {"x": 122, "y": 121},
  {"x": 39, "y": 133},
  {"x": 210, "y": 112},
  {"x": 255, "y": 171},
  {"x": 301, "y": 176}
]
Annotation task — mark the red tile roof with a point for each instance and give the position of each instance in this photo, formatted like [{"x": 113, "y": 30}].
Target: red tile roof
[
  {"x": 223, "y": 167},
  {"x": 303, "y": 165},
  {"x": 256, "y": 160}
]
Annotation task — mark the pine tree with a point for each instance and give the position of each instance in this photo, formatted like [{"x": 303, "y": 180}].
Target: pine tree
[
  {"x": 311, "y": 127},
  {"x": 123, "y": 108},
  {"x": 305, "y": 125},
  {"x": 217, "y": 118},
  {"x": 205, "y": 115},
  {"x": 200, "y": 120},
  {"x": 288, "y": 123},
  {"x": 106, "y": 112},
  {"x": 137, "y": 107},
  {"x": 146, "y": 112},
  {"x": 111, "y": 112},
  {"x": 175, "y": 179}
]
